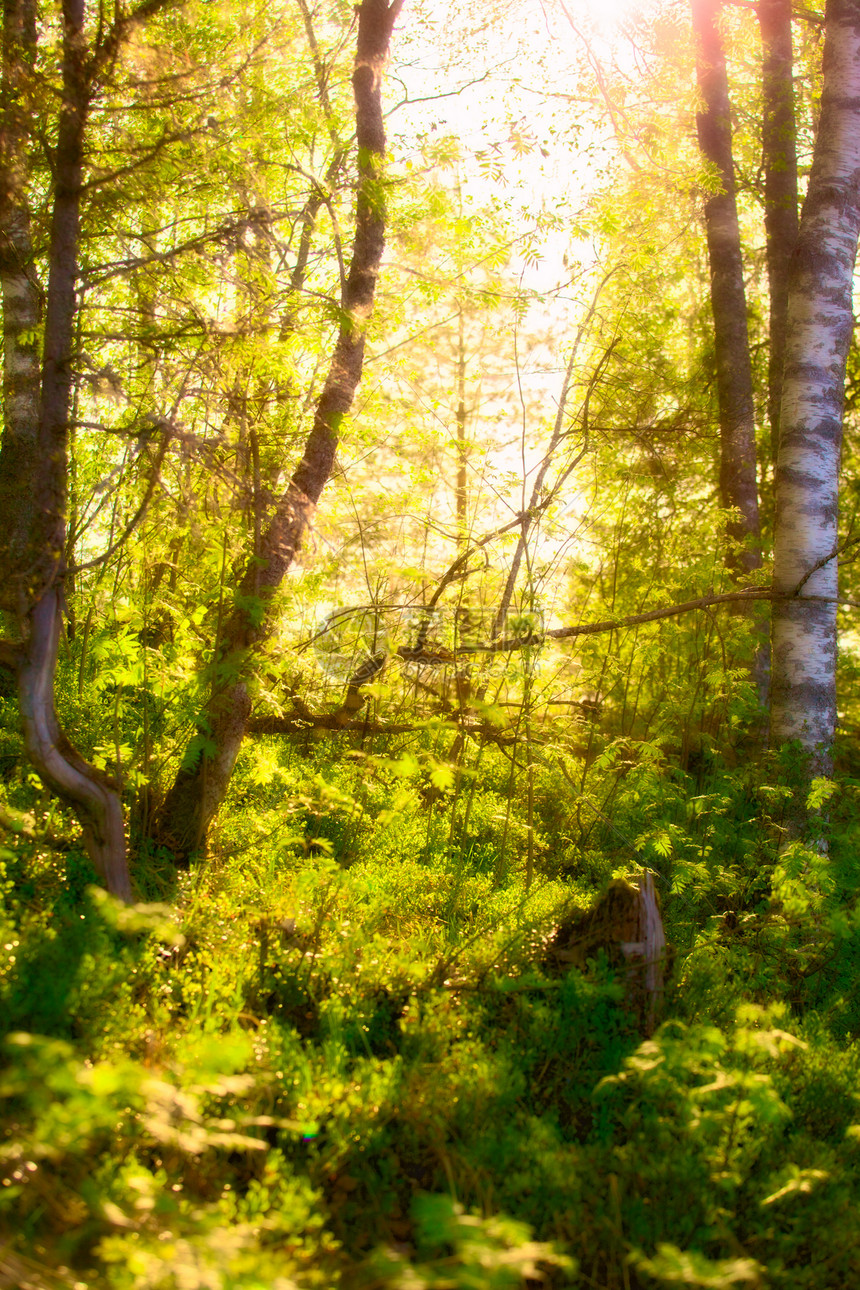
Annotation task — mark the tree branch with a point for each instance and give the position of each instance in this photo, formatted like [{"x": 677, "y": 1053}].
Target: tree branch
[{"x": 154, "y": 476}]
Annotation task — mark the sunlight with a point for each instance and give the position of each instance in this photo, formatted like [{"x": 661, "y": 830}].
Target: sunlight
[{"x": 604, "y": 15}]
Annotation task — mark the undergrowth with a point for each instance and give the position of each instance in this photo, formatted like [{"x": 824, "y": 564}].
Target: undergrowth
[{"x": 333, "y": 1054}]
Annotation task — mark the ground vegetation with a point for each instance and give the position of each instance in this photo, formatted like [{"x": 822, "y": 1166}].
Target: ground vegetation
[{"x": 394, "y": 501}]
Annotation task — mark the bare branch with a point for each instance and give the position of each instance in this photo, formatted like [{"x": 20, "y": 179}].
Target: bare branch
[{"x": 154, "y": 476}]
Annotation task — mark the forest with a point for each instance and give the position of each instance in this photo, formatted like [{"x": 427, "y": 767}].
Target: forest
[{"x": 429, "y": 655}]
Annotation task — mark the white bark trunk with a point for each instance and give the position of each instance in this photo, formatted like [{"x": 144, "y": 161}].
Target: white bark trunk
[{"x": 819, "y": 330}]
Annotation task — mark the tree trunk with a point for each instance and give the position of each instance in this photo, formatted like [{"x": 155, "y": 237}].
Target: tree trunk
[
  {"x": 738, "y": 490},
  {"x": 22, "y": 311},
  {"x": 53, "y": 472},
  {"x": 819, "y": 330},
  {"x": 461, "y": 491},
  {"x": 34, "y": 460},
  {"x": 94, "y": 801},
  {"x": 779, "y": 153},
  {"x": 203, "y": 778}
]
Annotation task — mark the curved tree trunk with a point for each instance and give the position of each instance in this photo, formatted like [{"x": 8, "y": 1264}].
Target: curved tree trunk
[
  {"x": 779, "y": 153},
  {"x": 34, "y": 458},
  {"x": 94, "y": 801},
  {"x": 820, "y": 324},
  {"x": 202, "y": 781}
]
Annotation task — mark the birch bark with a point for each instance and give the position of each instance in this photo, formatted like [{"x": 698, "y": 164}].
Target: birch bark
[{"x": 819, "y": 329}]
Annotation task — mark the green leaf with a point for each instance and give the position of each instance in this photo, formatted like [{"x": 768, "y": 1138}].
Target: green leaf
[{"x": 820, "y": 791}]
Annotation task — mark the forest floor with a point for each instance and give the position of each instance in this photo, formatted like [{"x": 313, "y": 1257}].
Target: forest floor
[{"x": 334, "y": 1052}]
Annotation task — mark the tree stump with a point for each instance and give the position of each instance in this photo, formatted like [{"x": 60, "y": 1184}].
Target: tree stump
[{"x": 626, "y": 923}]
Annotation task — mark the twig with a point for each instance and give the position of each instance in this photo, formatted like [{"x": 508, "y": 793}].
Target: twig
[
  {"x": 139, "y": 513},
  {"x": 837, "y": 551}
]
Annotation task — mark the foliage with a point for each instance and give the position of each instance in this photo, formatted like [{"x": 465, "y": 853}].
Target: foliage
[
  {"x": 349, "y": 1065},
  {"x": 332, "y": 1052}
]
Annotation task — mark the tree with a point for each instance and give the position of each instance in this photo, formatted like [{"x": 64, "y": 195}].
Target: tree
[
  {"x": 109, "y": 168},
  {"x": 728, "y": 298},
  {"x": 204, "y": 775},
  {"x": 34, "y": 461},
  {"x": 22, "y": 302},
  {"x": 214, "y": 333},
  {"x": 818, "y": 336},
  {"x": 779, "y": 154}
]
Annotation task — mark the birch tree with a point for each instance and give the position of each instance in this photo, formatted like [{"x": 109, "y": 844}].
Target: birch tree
[{"x": 819, "y": 329}]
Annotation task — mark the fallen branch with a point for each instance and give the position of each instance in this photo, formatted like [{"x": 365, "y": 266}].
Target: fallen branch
[{"x": 340, "y": 723}]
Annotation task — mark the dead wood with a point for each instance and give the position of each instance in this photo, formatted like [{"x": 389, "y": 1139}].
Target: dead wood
[{"x": 625, "y": 924}]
